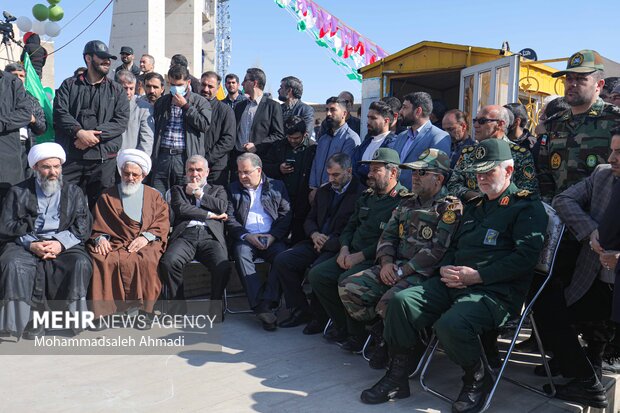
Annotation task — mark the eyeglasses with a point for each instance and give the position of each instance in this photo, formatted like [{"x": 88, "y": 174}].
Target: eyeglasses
[
  {"x": 422, "y": 172},
  {"x": 246, "y": 173},
  {"x": 484, "y": 121}
]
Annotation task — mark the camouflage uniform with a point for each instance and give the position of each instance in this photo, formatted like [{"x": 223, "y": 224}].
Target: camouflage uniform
[
  {"x": 574, "y": 146},
  {"x": 524, "y": 176},
  {"x": 415, "y": 238}
]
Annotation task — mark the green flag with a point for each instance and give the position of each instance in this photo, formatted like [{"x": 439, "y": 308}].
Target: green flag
[{"x": 35, "y": 88}]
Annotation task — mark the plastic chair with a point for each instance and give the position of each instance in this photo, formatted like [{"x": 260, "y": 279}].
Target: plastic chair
[{"x": 544, "y": 268}]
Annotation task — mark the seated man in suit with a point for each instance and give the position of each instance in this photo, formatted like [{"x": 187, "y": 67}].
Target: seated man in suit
[
  {"x": 421, "y": 134},
  {"x": 329, "y": 213},
  {"x": 259, "y": 218},
  {"x": 199, "y": 211}
]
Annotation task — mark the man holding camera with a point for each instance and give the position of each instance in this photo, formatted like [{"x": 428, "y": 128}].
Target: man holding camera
[{"x": 259, "y": 217}]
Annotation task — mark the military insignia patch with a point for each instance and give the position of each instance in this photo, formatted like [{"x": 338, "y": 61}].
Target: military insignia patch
[
  {"x": 448, "y": 217},
  {"x": 528, "y": 172},
  {"x": 522, "y": 150},
  {"x": 393, "y": 193},
  {"x": 424, "y": 154},
  {"x": 575, "y": 60},
  {"x": 523, "y": 193},
  {"x": 504, "y": 201},
  {"x": 471, "y": 183},
  {"x": 480, "y": 152},
  {"x": 491, "y": 237},
  {"x": 470, "y": 149},
  {"x": 556, "y": 160},
  {"x": 401, "y": 230},
  {"x": 591, "y": 161},
  {"x": 452, "y": 207},
  {"x": 382, "y": 225},
  {"x": 426, "y": 232}
]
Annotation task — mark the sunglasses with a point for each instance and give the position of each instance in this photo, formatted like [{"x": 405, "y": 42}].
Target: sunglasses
[
  {"x": 422, "y": 172},
  {"x": 484, "y": 121}
]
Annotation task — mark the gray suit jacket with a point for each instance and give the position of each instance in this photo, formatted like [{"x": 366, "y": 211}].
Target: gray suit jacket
[
  {"x": 141, "y": 126},
  {"x": 581, "y": 207}
]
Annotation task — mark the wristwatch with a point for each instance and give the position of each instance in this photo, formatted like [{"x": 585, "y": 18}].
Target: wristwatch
[{"x": 399, "y": 272}]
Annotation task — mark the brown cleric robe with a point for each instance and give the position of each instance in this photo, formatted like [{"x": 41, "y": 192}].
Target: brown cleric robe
[{"x": 122, "y": 279}]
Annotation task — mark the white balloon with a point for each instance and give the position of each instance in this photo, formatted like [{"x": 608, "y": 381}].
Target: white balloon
[
  {"x": 52, "y": 29},
  {"x": 24, "y": 24},
  {"x": 38, "y": 27}
]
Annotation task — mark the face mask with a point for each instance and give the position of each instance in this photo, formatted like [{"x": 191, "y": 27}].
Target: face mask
[{"x": 178, "y": 90}]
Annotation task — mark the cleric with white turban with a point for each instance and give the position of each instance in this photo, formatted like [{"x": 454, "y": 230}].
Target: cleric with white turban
[
  {"x": 135, "y": 156},
  {"x": 46, "y": 150}
]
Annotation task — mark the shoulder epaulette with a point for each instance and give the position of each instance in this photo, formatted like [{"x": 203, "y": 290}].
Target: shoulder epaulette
[
  {"x": 524, "y": 193},
  {"x": 405, "y": 193}
]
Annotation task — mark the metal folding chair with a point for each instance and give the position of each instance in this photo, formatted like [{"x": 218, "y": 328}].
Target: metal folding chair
[{"x": 544, "y": 268}]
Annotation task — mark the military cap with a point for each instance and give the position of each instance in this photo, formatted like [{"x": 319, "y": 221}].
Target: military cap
[
  {"x": 488, "y": 154},
  {"x": 126, "y": 50},
  {"x": 430, "y": 159},
  {"x": 584, "y": 61},
  {"x": 384, "y": 155}
]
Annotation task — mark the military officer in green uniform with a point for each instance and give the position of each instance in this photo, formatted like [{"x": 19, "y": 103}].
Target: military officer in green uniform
[
  {"x": 409, "y": 250},
  {"x": 359, "y": 238},
  {"x": 491, "y": 123},
  {"x": 483, "y": 280},
  {"x": 578, "y": 138}
]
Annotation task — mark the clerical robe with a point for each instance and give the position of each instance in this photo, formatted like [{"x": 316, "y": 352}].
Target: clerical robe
[
  {"x": 26, "y": 280},
  {"x": 122, "y": 279}
]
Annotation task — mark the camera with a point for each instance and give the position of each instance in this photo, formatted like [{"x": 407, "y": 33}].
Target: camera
[{"x": 6, "y": 28}]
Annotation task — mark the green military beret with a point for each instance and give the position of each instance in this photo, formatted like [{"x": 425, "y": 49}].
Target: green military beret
[{"x": 385, "y": 156}]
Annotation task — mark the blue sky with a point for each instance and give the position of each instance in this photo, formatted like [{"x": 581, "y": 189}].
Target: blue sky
[{"x": 264, "y": 35}]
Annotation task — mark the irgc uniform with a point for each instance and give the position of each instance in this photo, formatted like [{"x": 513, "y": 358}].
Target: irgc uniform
[
  {"x": 415, "y": 239},
  {"x": 361, "y": 234},
  {"x": 501, "y": 239}
]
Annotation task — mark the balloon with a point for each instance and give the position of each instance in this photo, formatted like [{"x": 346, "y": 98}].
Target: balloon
[
  {"x": 53, "y": 2},
  {"x": 24, "y": 24},
  {"x": 38, "y": 27},
  {"x": 56, "y": 13},
  {"x": 40, "y": 12},
  {"x": 52, "y": 29}
]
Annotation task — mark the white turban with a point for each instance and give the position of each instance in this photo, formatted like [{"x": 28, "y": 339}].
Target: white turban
[
  {"x": 136, "y": 156},
  {"x": 46, "y": 150}
]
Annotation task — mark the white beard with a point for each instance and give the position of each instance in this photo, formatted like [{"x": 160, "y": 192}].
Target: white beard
[
  {"x": 130, "y": 189},
  {"x": 49, "y": 187}
]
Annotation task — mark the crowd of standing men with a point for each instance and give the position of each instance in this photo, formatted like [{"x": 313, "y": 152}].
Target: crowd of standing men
[{"x": 419, "y": 225}]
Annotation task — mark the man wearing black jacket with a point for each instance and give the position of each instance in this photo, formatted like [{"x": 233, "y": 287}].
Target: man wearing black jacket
[
  {"x": 199, "y": 214},
  {"x": 220, "y": 138},
  {"x": 290, "y": 161},
  {"x": 330, "y": 212},
  {"x": 259, "y": 218},
  {"x": 182, "y": 119},
  {"x": 90, "y": 115}
]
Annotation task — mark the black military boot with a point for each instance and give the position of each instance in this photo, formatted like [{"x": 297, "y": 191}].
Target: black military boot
[
  {"x": 380, "y": 356},
  {"x": 395, "y": 383},
  {"x": 474, "y": 391},
  {"x": 586, "y": 391}
]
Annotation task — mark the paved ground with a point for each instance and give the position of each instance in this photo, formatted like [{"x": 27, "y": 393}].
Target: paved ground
[{"x": 282, "y": 371}]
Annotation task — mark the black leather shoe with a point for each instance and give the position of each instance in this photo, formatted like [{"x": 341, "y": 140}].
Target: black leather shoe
[
  {"x": 297, "y": 318},
  {"x": 30, "y": 332},
  {"x": 585, "y": 391},
  {"x": 354, "y": 344},
  {"x": 395, "y": 383},
  {"x": 476, "y": 386},
  {"x": 314, "y": 327},
  {"x": 268, "y": 320}
]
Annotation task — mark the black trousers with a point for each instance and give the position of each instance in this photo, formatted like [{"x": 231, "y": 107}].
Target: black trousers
[
  {"x": 195, "y": 243},
  {"x": 290, "y": 267},
  {"x": 93, "y": 176},
  {"x": 168, "y": 171},
  {"x": 557, "y": 326}
]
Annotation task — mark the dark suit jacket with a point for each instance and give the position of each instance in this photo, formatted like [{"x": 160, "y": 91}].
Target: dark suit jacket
[
  {"x": 220, "y": 138},
  {"x": 320, "y": 207},
  {"x": 185, "y": 210},
  {"x": 274, "y": 199},
  {"x": 267, "y": 126}
]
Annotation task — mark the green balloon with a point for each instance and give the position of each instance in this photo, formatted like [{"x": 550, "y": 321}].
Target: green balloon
[
  {"x": 53, "y": 2},
  {"x": 40, "y": 12},
  {"x": 56, "y": 13}
]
